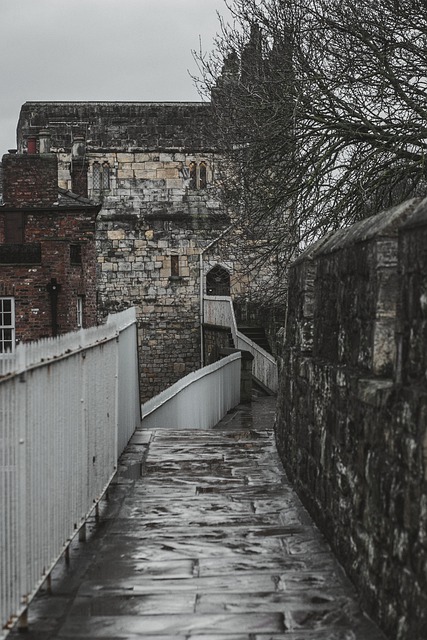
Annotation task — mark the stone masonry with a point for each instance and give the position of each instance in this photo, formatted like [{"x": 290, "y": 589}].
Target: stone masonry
[
  {"x": 352, "y": 421},
  {"x": 152, "y": 166}
]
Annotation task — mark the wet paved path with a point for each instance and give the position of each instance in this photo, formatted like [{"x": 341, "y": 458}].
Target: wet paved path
[{"x": 210, "y": 542}]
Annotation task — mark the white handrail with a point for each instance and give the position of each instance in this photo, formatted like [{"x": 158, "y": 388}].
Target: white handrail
[
  {"x": 218, "y": 310},
  {"x": 199, "y": 400}
]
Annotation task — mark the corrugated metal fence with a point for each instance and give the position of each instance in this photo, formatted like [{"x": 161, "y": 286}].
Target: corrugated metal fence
[{"x": 68, "y": 407}]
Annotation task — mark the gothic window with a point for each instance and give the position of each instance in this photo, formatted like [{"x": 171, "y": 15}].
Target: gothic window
[
  {"x": 7, "y": 324},
  {"x": 96, "y": 176},
  {"x": 105, "y": 176},
  {"x": 202, "y": 175},
  {"x": 101, "y": 175},
  {"x": 193, "y": 175},
  {"x": 218, "y": 282},
  {"x": 198, "y": 175}
]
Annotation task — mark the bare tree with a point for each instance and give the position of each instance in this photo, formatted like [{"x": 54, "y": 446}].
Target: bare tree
[{"x": 319, "y": 109}]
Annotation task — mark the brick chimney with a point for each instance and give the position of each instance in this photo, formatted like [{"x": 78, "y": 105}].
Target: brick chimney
[
  {"x": 79, "y": 166},
  {"x": 30, "y": 180}
]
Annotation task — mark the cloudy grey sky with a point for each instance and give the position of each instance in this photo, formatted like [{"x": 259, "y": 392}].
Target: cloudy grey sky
[{"x": 99, "y": 50}]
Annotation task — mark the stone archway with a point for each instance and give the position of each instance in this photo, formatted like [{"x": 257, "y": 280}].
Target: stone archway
[{"x": 218, "y": 281}]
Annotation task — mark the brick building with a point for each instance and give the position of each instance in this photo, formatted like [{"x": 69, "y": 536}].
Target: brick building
[{"x": 47, "y": 251}]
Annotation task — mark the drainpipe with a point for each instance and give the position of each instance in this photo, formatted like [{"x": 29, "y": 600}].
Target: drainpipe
[{"x": 202, "y": 311}]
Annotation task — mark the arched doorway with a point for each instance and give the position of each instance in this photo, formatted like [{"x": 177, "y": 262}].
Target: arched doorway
[{"x": 218, "y": 281}]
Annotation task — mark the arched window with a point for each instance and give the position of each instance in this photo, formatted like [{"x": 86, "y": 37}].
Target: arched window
[
  {"x": 198, "y": 175},
  {"x": 193, "y": 175},
  {"x": 218, "y": 281},
  {"x": 203, "y": 175}
]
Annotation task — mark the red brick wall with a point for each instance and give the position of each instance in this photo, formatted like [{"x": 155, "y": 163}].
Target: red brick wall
[
  {"x": 30, "y": 180},
  {"x": 55, "y": 231},
  {"x": 30, "y": 187}
]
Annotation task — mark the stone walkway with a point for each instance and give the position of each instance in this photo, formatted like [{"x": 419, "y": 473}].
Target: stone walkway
[{"x": 203, "y": 538}]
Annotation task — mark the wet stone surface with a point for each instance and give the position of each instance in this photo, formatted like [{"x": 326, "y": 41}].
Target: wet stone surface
[{"x": 202, "y": 538}]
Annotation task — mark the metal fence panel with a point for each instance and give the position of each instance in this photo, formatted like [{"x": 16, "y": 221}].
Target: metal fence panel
[{"x": 65, "y": 403}]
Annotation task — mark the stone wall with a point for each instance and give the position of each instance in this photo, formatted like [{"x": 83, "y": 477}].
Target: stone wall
[
  {"x": 352, "y": 419},
  {"x": 153, "y": 263}
]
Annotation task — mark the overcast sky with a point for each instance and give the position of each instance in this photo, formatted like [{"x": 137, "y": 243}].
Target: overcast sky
[{"x": 99, "y": 50}]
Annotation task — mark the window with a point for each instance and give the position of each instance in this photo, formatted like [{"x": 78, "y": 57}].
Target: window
[
  {"x": 101, "y": 176},
  {"x": 193, "y": 175},
  {"x": 218, "y": 282},
  {"x": 75, "y": 254},
  {"x": 14, "y": 227},
  {"x": 96, "y": 176},
  {"x": 202, "y": 175},
  {"x": 80, "y": 300},
  {"x": 105, "y": 176},
  {"x": 175, "y": 266},
  {"x": 7, "y": 324},
  {"x": 198, "y": 175}
]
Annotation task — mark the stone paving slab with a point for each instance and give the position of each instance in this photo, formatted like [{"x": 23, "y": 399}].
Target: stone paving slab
[{"x": 203, "y": 538}]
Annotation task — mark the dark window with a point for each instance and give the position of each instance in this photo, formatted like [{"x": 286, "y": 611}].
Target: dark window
[
  {"x": 14, "y": 227},
  {"x": 193, "y": 175},
  {"x": 75, "y": 253},
  {"x": 175, "y": 266},
  {"x": 202, "y": 175},
  {"x": 20, "y": 253},
  {"x": 218, "y": 282}
]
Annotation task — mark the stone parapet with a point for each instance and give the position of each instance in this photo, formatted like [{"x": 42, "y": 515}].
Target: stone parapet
[{"x": 352, "y": 419}]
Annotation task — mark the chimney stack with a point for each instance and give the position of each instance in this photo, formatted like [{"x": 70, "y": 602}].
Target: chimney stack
[
  {"x": 79, "y": 166},
  {"x": 30, "y": 179},
  {"x": 79, "y": 146},
  {"x": 44, "y": 141}
]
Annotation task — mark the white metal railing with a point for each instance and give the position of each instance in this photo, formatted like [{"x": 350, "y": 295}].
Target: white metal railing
[
  {"x": 218, "y": 310},
  {"x": 65, "y": 404},
  {"x": 199, "y": 400}
]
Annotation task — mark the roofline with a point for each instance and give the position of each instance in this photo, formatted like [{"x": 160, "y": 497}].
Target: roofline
[
  {"x": 109, "y": 102},
  {"x": 95, "y": 208}
]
